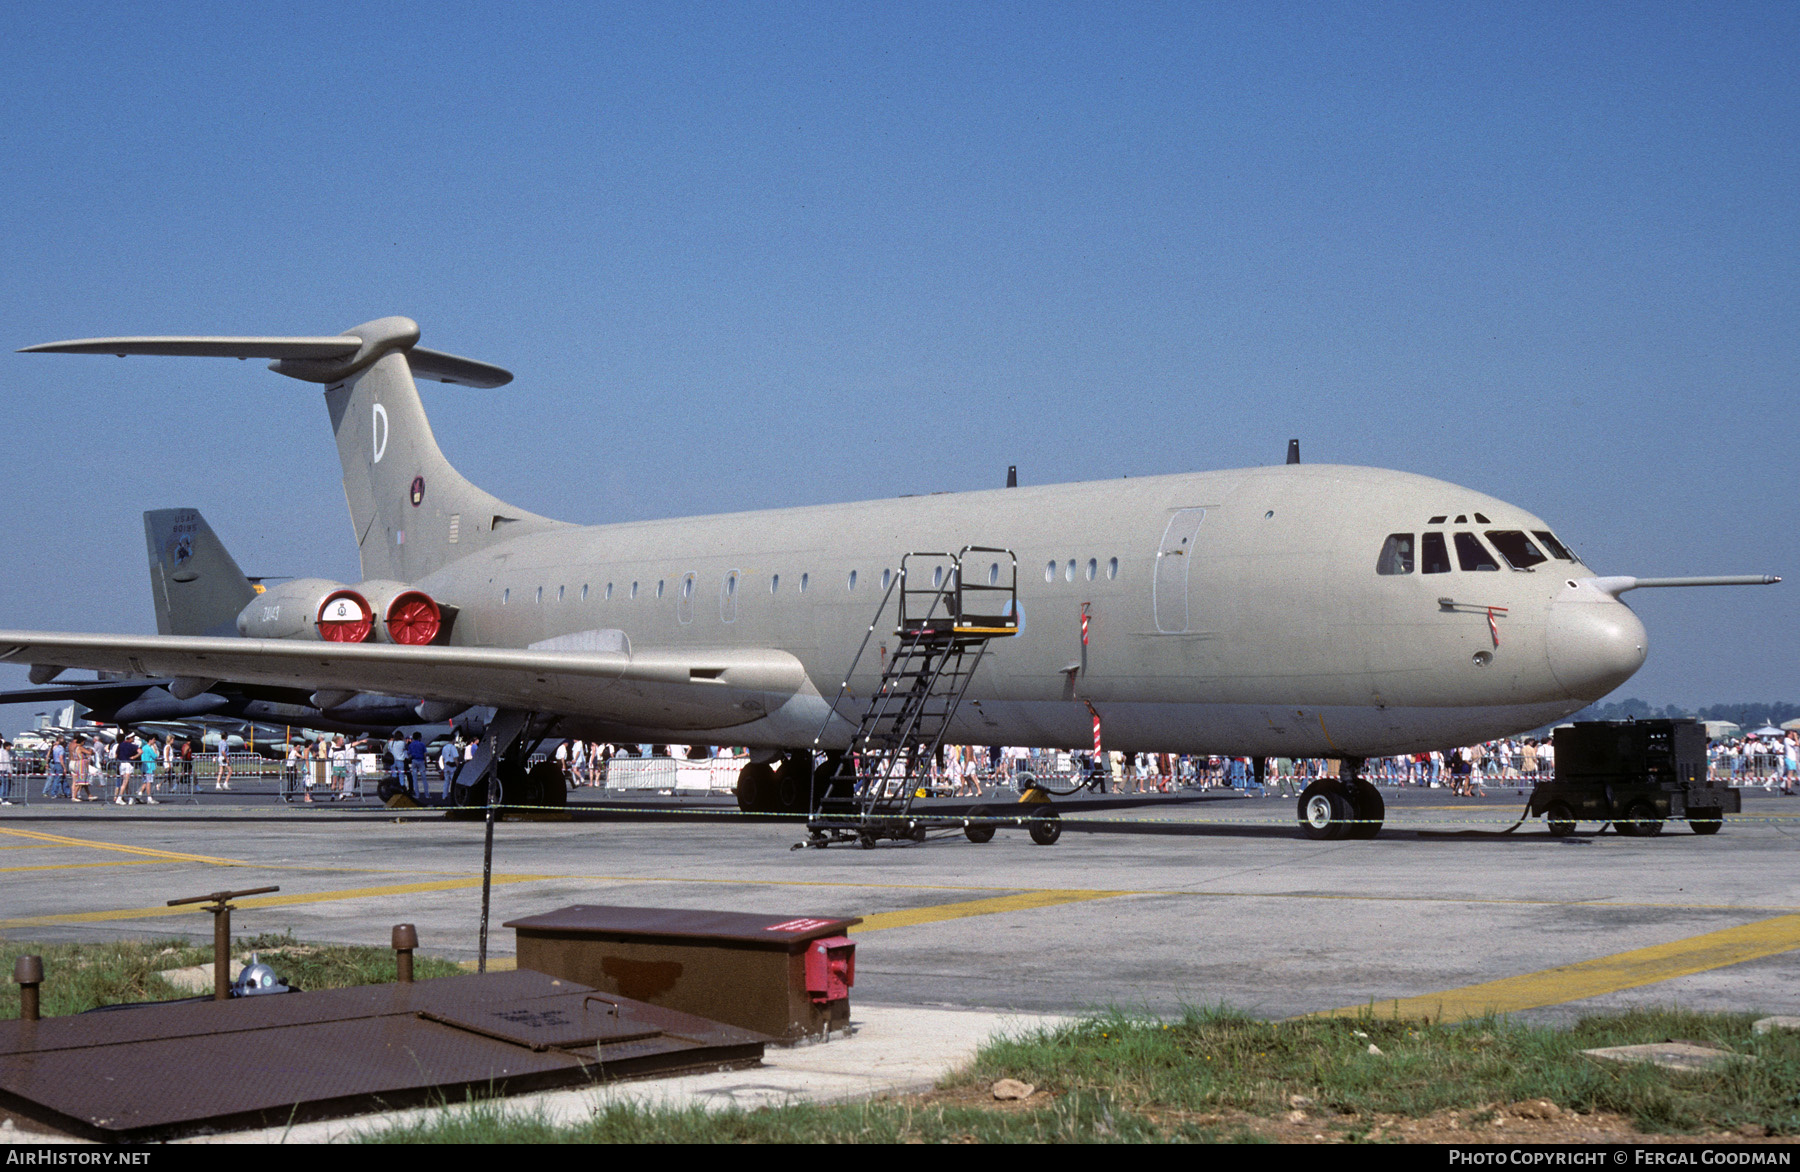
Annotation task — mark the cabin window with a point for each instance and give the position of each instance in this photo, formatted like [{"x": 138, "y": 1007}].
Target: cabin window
[
  {"x": 609, "y": 592},
  {"x": 731, "y": 584},
  {"x": 540, "y": 595},
  {"x": 1093, "y": 568},
  {"x": 1050, "y": 571},
  {"x": 1557, "y": 549},
  {"x": 1396, "y": 555},
  {"x": 1069, "y": 571},
  {"x": 687, "y": 586},
  {"x": 584, "y": 592},
  {"x": 1472, "y": 555},
  {"x": 994, "y": 574},
  {"x": 1434, "y": 556},
  {"x": 634, "y": 590},
  {"x": 851, "y": 585},
  {"x": 1516, "y": 548},
  {"x": 937, "y": 577},
  {"x": 886, "y": 577},
  {"x": 1112, "y": 568},
  {"x": 559, "y": 592},
  {"x": 803, "y": 580},
  {"x": 505, "y": 595},
  {"x": 774, "y": 583},
  {"x": 659, "y": 586}
]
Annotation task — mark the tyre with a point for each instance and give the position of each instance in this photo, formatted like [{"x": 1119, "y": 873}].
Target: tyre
[
  {"x": 1046, "y": 828},
  {"x": 1560, "y": 819},
  {"x": 756, "y": 788},
  {"x": 1706, "y": 821},
  {"x": 1370, "y": 809},
  {"x": 1324, "y": 812},
  {"x": 544, "y": 786},
  {"x": 1640, "y": 820},
  {"x": 979, "y": 831},
  {"x": 791, "y": 791}
]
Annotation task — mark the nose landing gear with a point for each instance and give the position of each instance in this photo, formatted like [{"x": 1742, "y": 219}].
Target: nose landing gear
[{"x": 1342, "y": 807}]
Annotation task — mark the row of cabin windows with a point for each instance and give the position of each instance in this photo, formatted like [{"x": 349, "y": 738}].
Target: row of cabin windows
[
  {"x": 1091, "y": 571},
  {"x": 1520, "y": 552},
  {"x": 887, "y": 576},
  {"x": 687, "y": 588}
]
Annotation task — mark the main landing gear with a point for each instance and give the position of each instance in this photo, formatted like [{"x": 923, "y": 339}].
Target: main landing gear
[
  {"x": 783, "y": 786},
  {"x": 1332, "y": 808}
]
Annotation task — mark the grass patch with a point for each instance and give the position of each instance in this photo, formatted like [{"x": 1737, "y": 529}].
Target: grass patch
[
  {"x": 1075, "y": 1118},
  {"x": 1218, "y": 1075},
  {"x": 1211, "y": 1061},
  {"x": 80, "y": 977}
]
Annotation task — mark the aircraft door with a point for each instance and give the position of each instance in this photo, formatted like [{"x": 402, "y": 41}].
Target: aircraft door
[{"x": 1169, "y": 598}]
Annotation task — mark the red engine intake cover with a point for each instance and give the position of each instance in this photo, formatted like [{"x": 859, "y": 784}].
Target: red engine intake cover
[
  {"x": 345, "y": 617},
  {"x": 413, "y": 618}
]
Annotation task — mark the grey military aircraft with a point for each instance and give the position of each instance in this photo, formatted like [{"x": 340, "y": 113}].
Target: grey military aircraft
[{"x": 1292, "y": 610}]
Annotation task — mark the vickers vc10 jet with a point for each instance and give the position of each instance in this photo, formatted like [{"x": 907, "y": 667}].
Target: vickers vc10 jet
[{"x": 1292, "y": 610}]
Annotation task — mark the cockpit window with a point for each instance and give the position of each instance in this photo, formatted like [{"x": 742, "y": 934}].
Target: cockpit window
[
  {"x": 1434, "y": 556},
  {"x": 1557, "y": 549},
  {"x": 1516, "y": 548},
  {"x": 1396, "y": 555},
  {"x": 1472, "y": 555}
]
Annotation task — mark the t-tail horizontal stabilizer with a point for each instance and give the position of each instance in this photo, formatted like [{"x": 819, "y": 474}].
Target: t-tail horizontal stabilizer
[{"x": 320, "y": 360}]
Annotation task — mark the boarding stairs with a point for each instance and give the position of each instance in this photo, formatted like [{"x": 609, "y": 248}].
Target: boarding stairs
[{"x": 949, "y": 608}]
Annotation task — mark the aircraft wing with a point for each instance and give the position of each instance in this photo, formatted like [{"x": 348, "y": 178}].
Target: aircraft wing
[{"x": 690, "y": 690}]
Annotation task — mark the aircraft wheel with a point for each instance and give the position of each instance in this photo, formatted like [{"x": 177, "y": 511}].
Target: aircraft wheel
[
  {"x": 1324, "y": 812},
  {"x": 1370, "y": 809},
  {"x": 1706, "y": 821},
  {"x": 756, "y": 788},
  {"x": 791, "y": 791},
  {"x": 1560, "y": 819},
  {"x": 979, "y": 831},
  {"x": 1641, "y": 820},
  {"x": 1046, "y": 828},
  {"x": 544, "y": 786}
]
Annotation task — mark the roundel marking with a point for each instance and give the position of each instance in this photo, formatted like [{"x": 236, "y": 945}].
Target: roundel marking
[
  {"x": 418, "y": 490},
  {"x": 378, "y": 427}
]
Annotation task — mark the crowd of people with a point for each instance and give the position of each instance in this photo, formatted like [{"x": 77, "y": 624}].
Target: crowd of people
[{"x": 135, "y": 768}]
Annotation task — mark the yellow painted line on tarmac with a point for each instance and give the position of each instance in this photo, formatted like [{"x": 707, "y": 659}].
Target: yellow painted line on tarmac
[
  {"x": 79, "y": 866},
  {"x": 1594, "y": 978},
  {"x": 145, "y": 851},
  {"x": 935, "y": 913},
  {"x": 261, "y": 901}
]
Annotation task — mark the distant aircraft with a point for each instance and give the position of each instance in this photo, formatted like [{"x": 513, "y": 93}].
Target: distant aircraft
[
  {"x": 1283, "y": 611},
  {"x": 198, "y": 589}
]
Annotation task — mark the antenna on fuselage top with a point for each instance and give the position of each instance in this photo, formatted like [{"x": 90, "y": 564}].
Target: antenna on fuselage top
[
  {"x": 1293, "y": 451},
  {"x": 1012, "y": 476}
]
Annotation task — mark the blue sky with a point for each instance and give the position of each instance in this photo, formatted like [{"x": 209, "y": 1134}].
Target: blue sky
[{"x": 1545, "y": 251}]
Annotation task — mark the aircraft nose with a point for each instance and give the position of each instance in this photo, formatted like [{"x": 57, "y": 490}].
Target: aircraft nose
[{"x": 1594, "y": 646}]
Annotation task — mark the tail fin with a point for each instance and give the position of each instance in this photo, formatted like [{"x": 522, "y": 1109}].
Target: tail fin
[
  {"x": 413, "y": 513},
  {"x": 196, "y": 585}
]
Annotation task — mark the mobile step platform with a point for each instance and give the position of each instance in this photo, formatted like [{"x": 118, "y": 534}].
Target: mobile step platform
[{"x": 950, "y": 607}]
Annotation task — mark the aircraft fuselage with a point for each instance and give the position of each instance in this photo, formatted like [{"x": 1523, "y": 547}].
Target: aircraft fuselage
[{"x": 1229, "y": 612}]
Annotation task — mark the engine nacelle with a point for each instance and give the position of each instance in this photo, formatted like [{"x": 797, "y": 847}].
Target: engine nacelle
[
  {"x": 293, "y": 610},
  {"x": 313, "y": 608}
]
